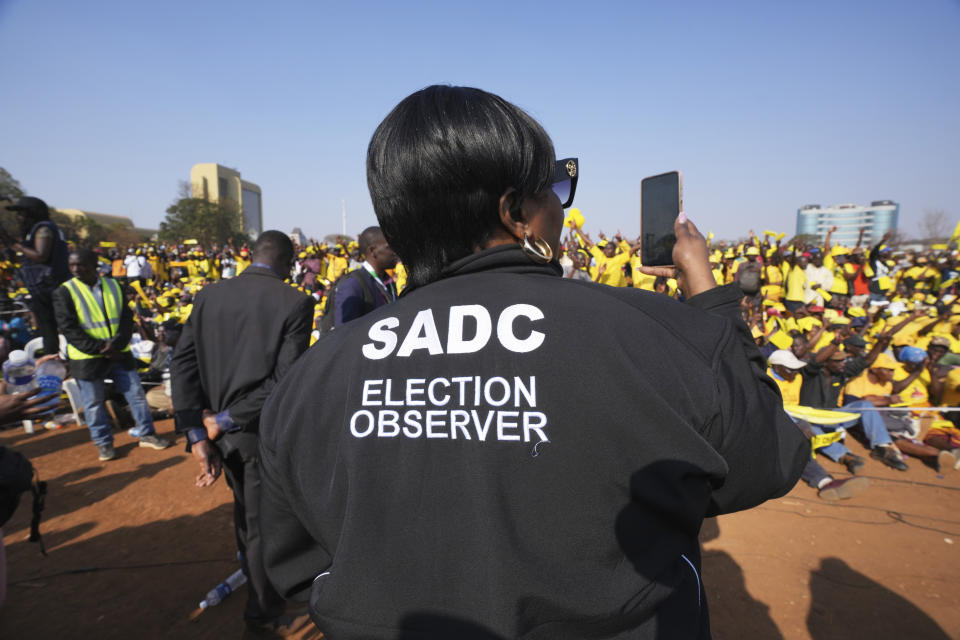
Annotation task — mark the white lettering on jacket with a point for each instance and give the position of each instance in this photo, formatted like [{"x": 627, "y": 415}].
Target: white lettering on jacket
[
  {"x": 423, "y": 335},
  {"x": 473, "y": 408}
]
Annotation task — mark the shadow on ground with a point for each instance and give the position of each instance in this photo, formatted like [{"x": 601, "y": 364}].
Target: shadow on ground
[
  {"x": 848, "y": 604},
  {"x": 149, "y": 578},
  {"x": 734, "y": 613}
]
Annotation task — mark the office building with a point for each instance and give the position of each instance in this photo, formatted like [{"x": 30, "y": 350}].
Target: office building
[
  {"x": 107, "y": 221},
  {"x": 217, "y": 183},
  {"x": 878, "y": 218}
]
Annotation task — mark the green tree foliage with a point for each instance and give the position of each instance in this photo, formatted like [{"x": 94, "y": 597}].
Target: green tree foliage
[
  {"x": 80, "y": 231},
  {"x": 10, "y": 189},
  {"x": 207, "y": 222}
]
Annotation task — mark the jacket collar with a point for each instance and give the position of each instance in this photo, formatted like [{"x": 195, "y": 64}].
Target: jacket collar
[
  {"x": 504, "y": 258},
  {"x": 508, "y": 258},
  {"x": 261, "y": 271}
]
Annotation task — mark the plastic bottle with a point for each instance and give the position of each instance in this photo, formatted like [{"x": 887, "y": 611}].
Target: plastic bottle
[
  {"x": 50, "y": 375},
  {"x": 19, "y": 372},
  {"x": 224, "y": 589}
]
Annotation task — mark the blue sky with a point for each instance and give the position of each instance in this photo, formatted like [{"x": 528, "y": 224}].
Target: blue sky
[{"x": 764, "y": 106}]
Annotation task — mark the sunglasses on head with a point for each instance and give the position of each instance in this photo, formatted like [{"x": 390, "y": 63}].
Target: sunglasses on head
[{"x": 565, "y": 180}]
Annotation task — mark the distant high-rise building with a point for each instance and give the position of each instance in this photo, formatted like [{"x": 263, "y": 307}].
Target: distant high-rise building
[
  {"x": 217, "y": 183},
  {"x": 881, "y": 216},
  {"x": 297, "y": 237}
]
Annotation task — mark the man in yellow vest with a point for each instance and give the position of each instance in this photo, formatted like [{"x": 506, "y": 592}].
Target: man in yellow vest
[{"x": 93, "y": 316}]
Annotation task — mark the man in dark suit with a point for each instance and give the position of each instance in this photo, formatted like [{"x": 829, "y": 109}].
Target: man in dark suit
[
  {"x": 242, "y": 336},
  {"x": 368, "y": 287}
]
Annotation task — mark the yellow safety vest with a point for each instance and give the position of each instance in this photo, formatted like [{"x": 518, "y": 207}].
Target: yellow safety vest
[{"x": 99, "y": 321}]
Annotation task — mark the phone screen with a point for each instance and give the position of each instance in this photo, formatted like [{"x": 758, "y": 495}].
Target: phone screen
[{"x": 660, "y": 202}]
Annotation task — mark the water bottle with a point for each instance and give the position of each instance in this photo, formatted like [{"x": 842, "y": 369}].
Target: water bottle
[
  {"x": 50, "y": 375},
  {"x": 224, "y": 589},
  {"x": 19, "y": 372}
]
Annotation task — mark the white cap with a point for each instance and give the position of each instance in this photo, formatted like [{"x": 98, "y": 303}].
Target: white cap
[
  {"x": 18, "y": 358},
  {"x": 786, "y": 358}
]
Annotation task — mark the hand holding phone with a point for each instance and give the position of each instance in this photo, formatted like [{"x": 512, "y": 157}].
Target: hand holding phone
[
  {"x": 661, "y": 201},
  {"x": 692, "y": 269}
]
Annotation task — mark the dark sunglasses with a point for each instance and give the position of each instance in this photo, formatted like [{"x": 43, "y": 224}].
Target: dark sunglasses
[{"x": 565, "y": 180}]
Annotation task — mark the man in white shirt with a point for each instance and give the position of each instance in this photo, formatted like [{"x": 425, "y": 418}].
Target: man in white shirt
[
  {"x": 818, "y": 277},
  {"x": 134, "y": 264}
]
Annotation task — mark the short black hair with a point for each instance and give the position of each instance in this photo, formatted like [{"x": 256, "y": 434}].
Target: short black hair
[
  {"x": 367, "y": 237},
  {"x": 439, "y": 163},
  {"x": 273, "y": 247},
  {"x": 85, "y": 256}
]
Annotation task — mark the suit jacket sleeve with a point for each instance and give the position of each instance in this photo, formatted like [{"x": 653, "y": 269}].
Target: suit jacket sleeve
[
  {"x": 187, "y": 391},
  {"x": 68, "y": 323},
  {"x": 245, "y": 412},
  {"x": 348, "y": 303}
]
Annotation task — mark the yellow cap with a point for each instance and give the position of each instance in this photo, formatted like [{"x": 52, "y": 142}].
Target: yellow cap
[{"x": 884, "y": 361}]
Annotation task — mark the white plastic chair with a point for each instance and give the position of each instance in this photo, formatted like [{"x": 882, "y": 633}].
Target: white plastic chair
[
  {"x": 37, "y": 343},
  {"x": 72, "y": 389},
  {"x": 32, "y": 347}
]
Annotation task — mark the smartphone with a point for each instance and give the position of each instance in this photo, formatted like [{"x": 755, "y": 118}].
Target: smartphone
[{"x": 661, "y": 201}]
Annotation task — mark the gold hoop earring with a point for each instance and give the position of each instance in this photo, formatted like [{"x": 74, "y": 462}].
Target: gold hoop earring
[{"x": 537, "y": 250}]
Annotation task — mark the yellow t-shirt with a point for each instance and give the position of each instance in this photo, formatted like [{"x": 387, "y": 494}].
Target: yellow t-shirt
[
  {"x": 789, "y": 389},
  {"x": 718, "y": 276},
  {"x": 400, "y": 277},
  {"x": 242, "y": 263},
  {"x": 612, "y": 268},
  {"x": 915, "y": 394},
  {"x": 640, "y": 279},
  {"x": 338, "y": 264},
  {"x": 796, "y": 283},
  {"x": 861, "y": 386},
  {"x": 839, "y": 286}
]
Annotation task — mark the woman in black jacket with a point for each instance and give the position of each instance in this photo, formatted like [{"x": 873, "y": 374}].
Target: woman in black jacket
[{"x": 504, "y": 452}]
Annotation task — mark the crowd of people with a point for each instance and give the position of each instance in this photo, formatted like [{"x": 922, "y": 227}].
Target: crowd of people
[
  {"x": 870, "y": 330},
  {"x": 867, "y": 326},
  {"x": 862, "y": 339}
]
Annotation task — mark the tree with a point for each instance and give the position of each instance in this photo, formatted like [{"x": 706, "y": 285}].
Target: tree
[
  {"x": 207, "y": 222},
  {"x": 935, "y": 225},
  {"x": 80, "y": 231},
  {"x": 10, "y": 189}
]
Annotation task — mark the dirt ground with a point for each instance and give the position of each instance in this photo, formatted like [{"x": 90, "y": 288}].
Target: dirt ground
[{"x": 133, "y": 547}]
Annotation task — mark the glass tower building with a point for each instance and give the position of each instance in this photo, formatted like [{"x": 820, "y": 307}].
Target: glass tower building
[
  {"x": 217, "y": 183},
  {"x": 878, "y": 218}
]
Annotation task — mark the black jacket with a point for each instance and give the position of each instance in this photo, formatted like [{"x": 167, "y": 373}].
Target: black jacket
[
  {"x": 241, "y": 337},
  {"x": 546, "y": 482},
  {"x": 68, "y": 323},
  {"x": 821, "y": 392}
]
